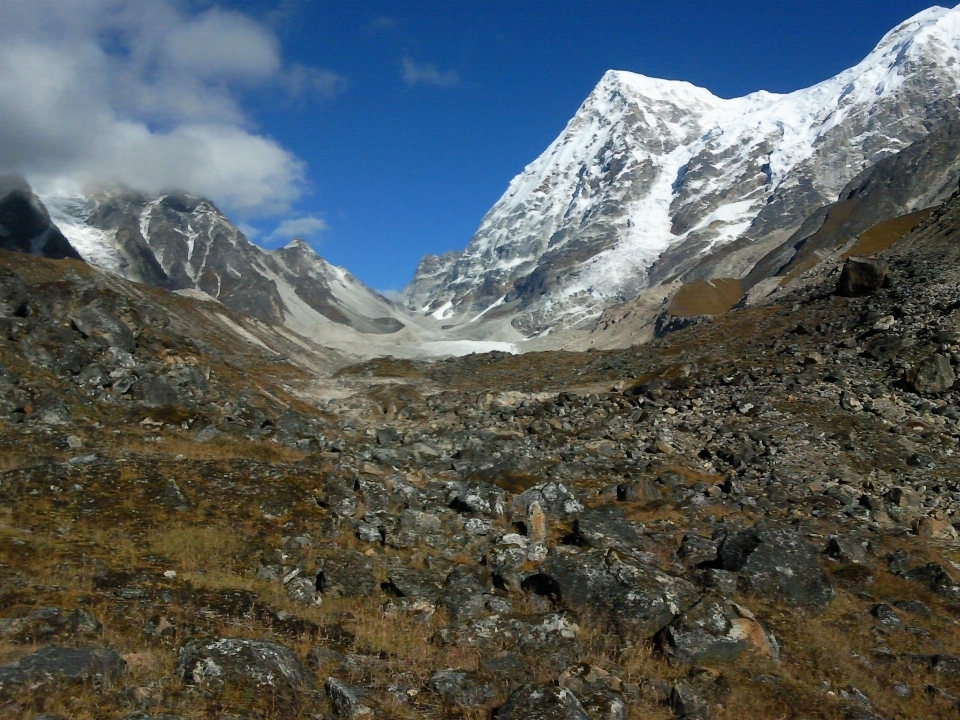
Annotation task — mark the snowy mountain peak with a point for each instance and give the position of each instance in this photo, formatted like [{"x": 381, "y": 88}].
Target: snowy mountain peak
[
  {"x": 301, "y": 245},
  {"x": 657, "y": 180}
]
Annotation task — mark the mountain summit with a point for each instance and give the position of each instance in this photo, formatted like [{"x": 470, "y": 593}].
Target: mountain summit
[{"x": 654, "y": 182}]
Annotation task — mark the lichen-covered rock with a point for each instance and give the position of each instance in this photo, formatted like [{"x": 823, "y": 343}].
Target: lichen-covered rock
[
  {"x": 234, "y": 661},
  {"x": 774, "y": 561},
  {"x": 463, "y": 689},
  {"x": 716, "y": 630},
  {"x": 555, "y": 499},
  {"x": 639, "y": 600},
  {"x": 599, "y": 692},
  {"x": 542, "y": 702},
  {"x": 347, "y": 574},
  {"x": 932, "y": 376},
  {"x": 415, "y": 584},
  {"x": 347, "y": 699},
  {"x": 47, "y": 623},
  {"x": 462, "y": 595},
  {"x": 52, "y": 665},
  {"x": 605, "y": 527}
]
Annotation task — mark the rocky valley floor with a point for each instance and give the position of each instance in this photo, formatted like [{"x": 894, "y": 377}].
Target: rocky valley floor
[{"x": 753, "y": 517}]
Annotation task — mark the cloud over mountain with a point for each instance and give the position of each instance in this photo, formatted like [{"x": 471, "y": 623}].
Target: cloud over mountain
[{"x": 148, "y": 94}]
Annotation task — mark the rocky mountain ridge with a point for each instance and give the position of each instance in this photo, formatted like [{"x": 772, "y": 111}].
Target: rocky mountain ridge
[
  {"x": 181, "y": 242},
  {"x": 655, "y": 180}
]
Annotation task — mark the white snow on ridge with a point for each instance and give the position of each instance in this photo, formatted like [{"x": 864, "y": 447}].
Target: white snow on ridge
[
  {"x": 663, "y": 125},
  {"x": 94, "y": 245}
]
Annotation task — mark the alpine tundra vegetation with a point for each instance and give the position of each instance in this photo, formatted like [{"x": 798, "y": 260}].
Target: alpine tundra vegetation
[{"x": 677, "y": 434}]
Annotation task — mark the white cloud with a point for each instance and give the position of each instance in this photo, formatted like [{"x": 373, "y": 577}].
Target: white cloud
[
  {"x": 248, "y": 230},
  {"x": 148, "y": 94},
  {"x": 301, "y": 81},
  {"x": 415, "y": 73},
  {"x": 302, "y": 227}
]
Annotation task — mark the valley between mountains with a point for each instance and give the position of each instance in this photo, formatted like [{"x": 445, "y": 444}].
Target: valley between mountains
[{"x": 676, "y": 435}]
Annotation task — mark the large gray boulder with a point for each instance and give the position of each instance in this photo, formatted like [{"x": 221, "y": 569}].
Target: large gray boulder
[
  {"x": 605, "y": 527},
  {"x": 774, "y": 562},
  {"x": 244, "y": 663},
  {"x": 716, "y": 630},
  {"x": 542, "y": 702},
  {"x": 53, "y": 665},
  {"x": 932, "y": 376},
  {"x": 638, "y": 600}
]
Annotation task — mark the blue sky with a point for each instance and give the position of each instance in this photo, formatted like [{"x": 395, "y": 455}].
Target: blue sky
[
  {"x": 403, "y": 166},
  {"x": 380, "y": 131}
]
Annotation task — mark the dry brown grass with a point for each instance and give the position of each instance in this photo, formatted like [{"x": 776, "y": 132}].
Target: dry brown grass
[
  {"x": 883, "y": 235},
  {"x": 192, "y": 548},
  {"x": 706, "y": 297}
]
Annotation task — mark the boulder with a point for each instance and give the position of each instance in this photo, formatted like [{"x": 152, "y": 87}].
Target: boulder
[
  {"x": 52, "y": 665},
  {"x": 238, "y": 662},
  {"x": 462, "y": 595},
  {"x": 415, "y": 584},
  {"x": 773, "y": 561},
  {"x": 544, "y": 634},
  {"x": 478, "y": 498},
  {"x": 599, "y": 692},
  {"x": 932, "y": 376},
  {"x": 716, "y": 630},
  {"x": 638, "y": 600},
  {"x": 605, "y": 527},
  {"x": 13, "y": 294},
  {"x": 96, "y": 323},
  {"x": 542, "y": 702},
  {"x": 935, "y": 578},
  {"x": 861, "y": 276},
  {"x": 347, "y": 700},
  {"x": 554, "y": 498},
  {"x": 463, "y": 689}
]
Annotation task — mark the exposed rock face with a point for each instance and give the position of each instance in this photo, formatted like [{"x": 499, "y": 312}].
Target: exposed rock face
[
  {"x": 872, "y": 204},
  {"x": 25, "y": 224},
  {"x": 654, "y": 179},
  {"x": 183, "y": 242}
]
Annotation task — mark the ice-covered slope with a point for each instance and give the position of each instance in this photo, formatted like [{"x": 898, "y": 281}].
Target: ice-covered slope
[
  {"x": 653, "y": 180},
  {"x": 182, "y": 242}
]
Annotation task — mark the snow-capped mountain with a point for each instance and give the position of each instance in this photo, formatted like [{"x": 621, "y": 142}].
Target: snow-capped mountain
[
  {"x": 182, "y": 242},
  {"x": 654, "y": 181}
]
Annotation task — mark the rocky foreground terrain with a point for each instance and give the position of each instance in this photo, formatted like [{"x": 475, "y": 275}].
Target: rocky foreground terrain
[{"x": 751, "y": 517}]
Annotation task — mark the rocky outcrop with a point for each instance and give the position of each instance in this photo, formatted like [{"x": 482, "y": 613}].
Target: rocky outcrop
[{"x": 25, "y": 224}]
